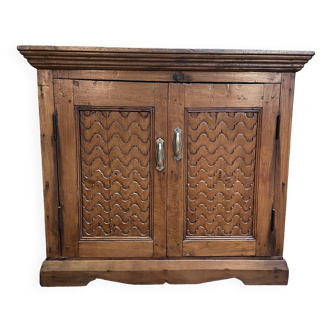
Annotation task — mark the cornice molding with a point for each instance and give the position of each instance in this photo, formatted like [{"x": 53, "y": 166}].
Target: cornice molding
[{"x": 105, "y": 58}]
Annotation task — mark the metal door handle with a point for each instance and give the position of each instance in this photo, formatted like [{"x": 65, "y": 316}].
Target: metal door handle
[
  {"x": 160, "y": 154},
  {"x": 177, "y": 143}
]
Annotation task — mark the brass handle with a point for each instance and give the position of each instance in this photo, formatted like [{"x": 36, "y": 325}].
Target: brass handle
[
  {"x": 177, "y": 143},
  {"x": 160, "y": 154}
]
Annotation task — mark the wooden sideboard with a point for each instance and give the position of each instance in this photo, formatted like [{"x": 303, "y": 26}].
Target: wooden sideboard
[{"x": 164, "y": 165}]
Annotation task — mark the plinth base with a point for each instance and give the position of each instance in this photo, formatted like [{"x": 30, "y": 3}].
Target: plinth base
[{"x": 255, "y": 271}]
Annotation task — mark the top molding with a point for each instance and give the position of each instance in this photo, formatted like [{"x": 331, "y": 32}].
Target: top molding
[{"x": 107, "y": 58}]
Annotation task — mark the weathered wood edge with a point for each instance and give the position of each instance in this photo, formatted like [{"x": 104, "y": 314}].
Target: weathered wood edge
[
  {"x": 156, "y": 50},
  {"x": 81, "y": 272},
  {"x": 67, "y": 165},
  {"x": 266, "y": 168},
  {"x": 282, "y": 161},
  {"x": 97, "y": 58},
  {"x": 49, "y": 163}
]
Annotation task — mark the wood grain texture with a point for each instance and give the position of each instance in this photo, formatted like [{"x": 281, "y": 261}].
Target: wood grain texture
[
  {"x": 216, "y": 201},
  {"x": 129, "y": 248},
  {"x": 223, "y": 163},
  {"x": 54, "y": 57},
  {"x": 223, "y": 95},
  {"x": 125, "y": 94},
  {"x": 194, "y": 271},
  {"x": 169, "y": 76},
  {"x": 282, "y": 161},
  {"x": 221, "y": 169},
  {"x": 175, "y": 183},
  {"x": 67, "y": 165},
  {"x": 49, "y": 163},
  {"x": 219, "y": 247},
  {"x": 160, "y": 177},
  {"x": 112, "y": 148},
  {"x": 116, "y": 177},
  {"x": 266, "y": 169}
]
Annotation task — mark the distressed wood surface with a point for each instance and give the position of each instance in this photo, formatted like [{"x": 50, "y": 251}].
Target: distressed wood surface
[
  {"x": 113, "y": 151},
  {"x": 223, "y": 144},
  {"x": 282, "y": 161},
  {"x": 49, "y": 163},
  {"x": 223, "y": 95},
  {"x": 160, "y": 177},
  {"x": 219, "y": 246},
  {"x": 125, "y": 94},
  {"x": 116, "y": 248},
  {"x": 80, "y": 273},
  {"x": 201, "y": 214},
  {"x": 175, "y": 183},
  {"x": 217, "y": 201},
  {"x": 133, "y": 50},
  {"x": 67, "y": 165},
  {"x": 169, "y": 76},
  {"x": 54, "y": 57},
  {"x": 266, "y": 168}
]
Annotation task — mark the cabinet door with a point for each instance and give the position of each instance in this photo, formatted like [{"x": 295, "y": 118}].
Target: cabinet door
[
  {"x": 220, "y": 193},
  {"x": 112, "y": 196}
]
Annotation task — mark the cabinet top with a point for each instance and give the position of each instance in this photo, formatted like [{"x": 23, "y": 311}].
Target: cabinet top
[{"x": 109, "y": 58}]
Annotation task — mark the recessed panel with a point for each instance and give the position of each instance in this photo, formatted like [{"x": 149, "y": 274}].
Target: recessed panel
[
  {"x": 221, "y": 157},
  {"x": 115, "y": 150}
]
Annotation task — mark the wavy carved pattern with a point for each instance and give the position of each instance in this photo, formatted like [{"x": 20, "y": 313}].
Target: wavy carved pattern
[
  {"x": 221, "y": 167},
  {"x": 115, "y": 164}
]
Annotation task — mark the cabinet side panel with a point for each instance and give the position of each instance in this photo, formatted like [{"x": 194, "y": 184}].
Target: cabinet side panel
[
  {"x": 282, "y": 159},
  {"x": 49, "y": 163},
  {"x": 266, "y": 169},
  {"x": 67, "y": 165}
]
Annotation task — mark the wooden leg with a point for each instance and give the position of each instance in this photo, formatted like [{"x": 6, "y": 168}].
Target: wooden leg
[{"x": 181, "y": 271}]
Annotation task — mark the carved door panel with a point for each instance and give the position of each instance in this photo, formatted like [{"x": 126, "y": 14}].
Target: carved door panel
[
  {"x": 113, "y": 199},
  {"x": 219, "y": 142},
  {"x": 224, "y": 207}
]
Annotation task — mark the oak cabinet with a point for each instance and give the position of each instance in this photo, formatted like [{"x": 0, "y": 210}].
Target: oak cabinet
[{"x": 164, "y": 165}]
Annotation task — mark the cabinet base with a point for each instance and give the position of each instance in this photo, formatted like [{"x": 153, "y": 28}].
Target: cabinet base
[{"x": 183, "y": 271}]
